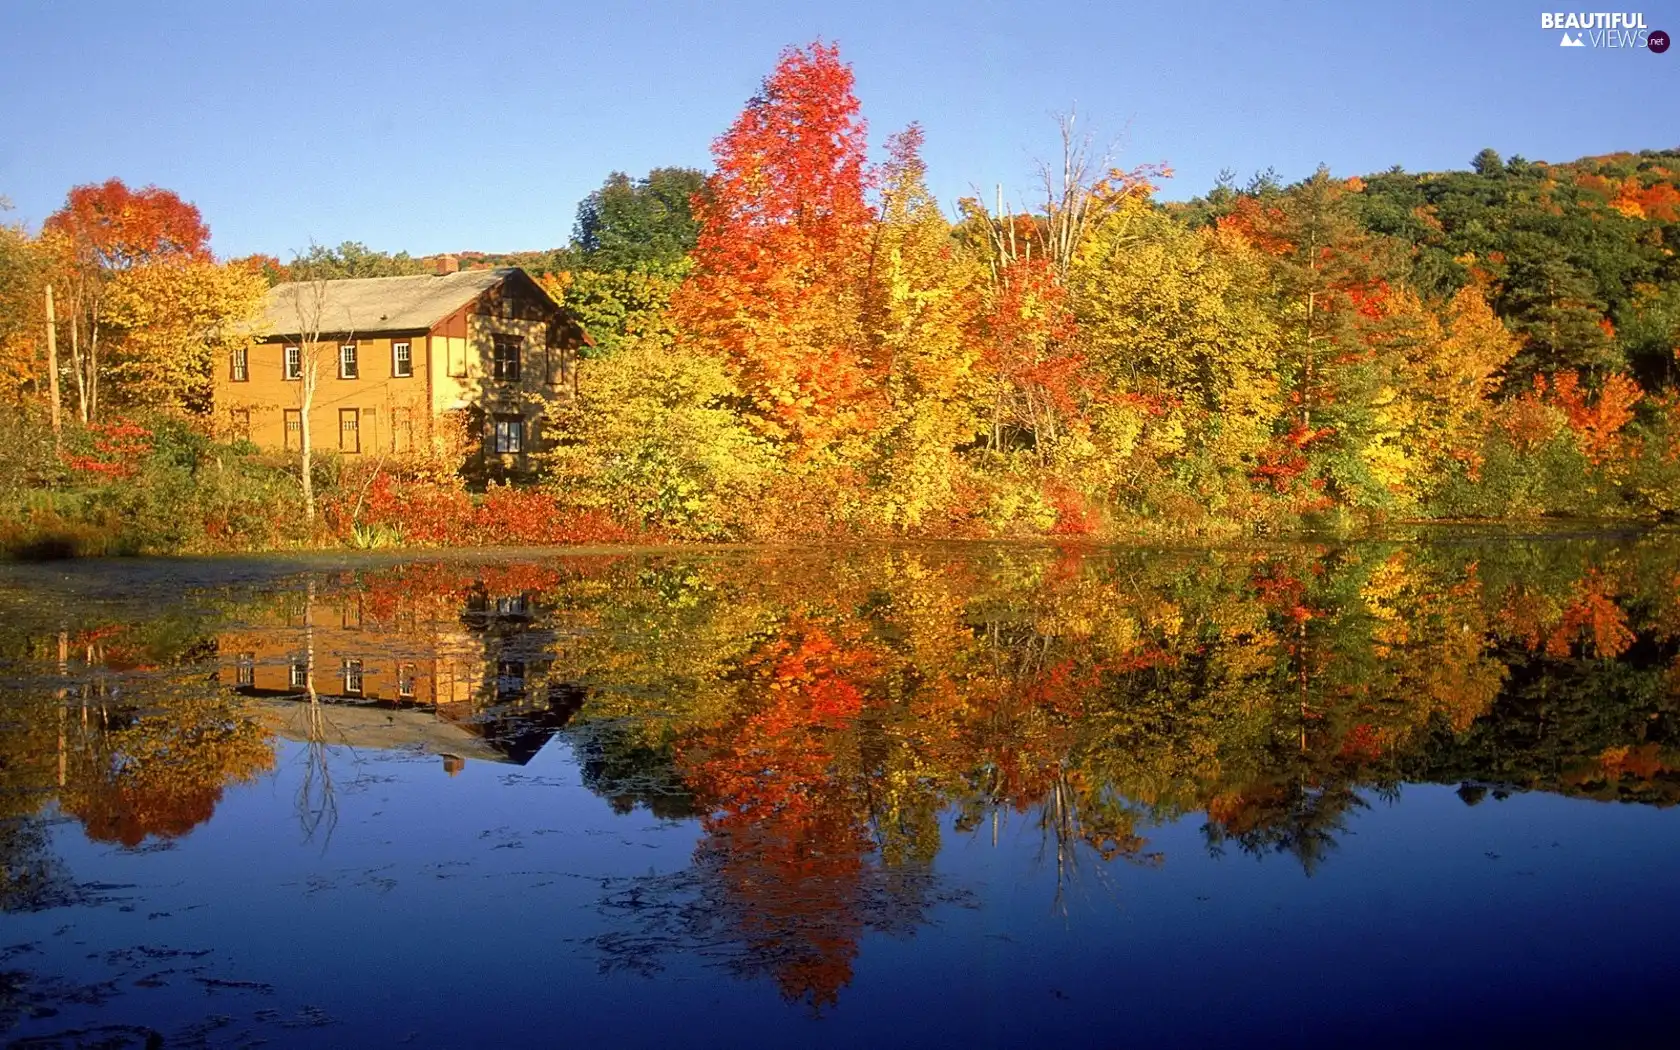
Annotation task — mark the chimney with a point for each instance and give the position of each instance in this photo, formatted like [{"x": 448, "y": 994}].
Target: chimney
[{"x": 447, "y": 264}]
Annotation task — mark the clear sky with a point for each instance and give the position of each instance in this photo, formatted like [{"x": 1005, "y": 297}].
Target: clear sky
[{"x": 428, "y": 127}]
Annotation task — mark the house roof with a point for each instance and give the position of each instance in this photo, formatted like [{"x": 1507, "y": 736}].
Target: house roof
[
  {"x": 377, "y": 727},
  {"x": 376, "y": 304}
]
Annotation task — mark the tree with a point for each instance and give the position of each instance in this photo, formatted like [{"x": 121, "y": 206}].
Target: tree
[
  {"x": 922, "y": 292},
  {"x": 1457, "y": 378},
  {"x": 1178, "y": 320},
  {"x": 1331, "y": 290},
  {"x": 103, "y": 231},
  {"x": 1487, "y": 164},
  {"x": 783, "y": 239},
  {"x": 23, "y": 270},
  {"x": 304, "y": 302},
  {"x": 636, "y": 224},
  {"x": 1555, "y": 308},
  {"x": 617, "y": 307},
  {"x": 355, "y": 259},
  {"x": 176, "y": 319},
  {"x": 652, "y": 439}
]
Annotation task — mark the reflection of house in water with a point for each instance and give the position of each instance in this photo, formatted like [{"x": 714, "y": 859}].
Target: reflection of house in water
[{"x": 461, "y": 684}]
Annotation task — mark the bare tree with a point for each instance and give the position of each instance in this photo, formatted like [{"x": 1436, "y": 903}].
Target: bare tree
[
  {"x": 1079, "y": 189},
  {"x": 87, "y": 295},
  {"x": 308, "y": 295},
  {"x": 1073, "y": 192},
  {"x": 317, "y": 801}
]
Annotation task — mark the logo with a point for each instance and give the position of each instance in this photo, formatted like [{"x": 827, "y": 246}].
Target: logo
[{"x": 1619, "y": 29}]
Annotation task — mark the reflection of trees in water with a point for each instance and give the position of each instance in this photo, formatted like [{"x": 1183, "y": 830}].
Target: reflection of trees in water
[
  {"x": 829, "y": 719},
  {"x": 619, "y": 765},
  {"x": 1297, "y": 820},
  {"x": 317, "y": 802},
  {"x": 1275, "y": 692},
  {"x": 125, "y": 727},
  {"x": 32, "y": 877},
  {"x": 155, "y": 763},
  {"x": 741, "y": 908}
]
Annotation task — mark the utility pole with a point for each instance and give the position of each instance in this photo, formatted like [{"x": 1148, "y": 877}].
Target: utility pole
[{"x": 52, "y": 368}]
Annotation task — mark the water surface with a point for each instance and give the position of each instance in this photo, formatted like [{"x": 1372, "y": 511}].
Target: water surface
[{"x": 983, "y": 795}]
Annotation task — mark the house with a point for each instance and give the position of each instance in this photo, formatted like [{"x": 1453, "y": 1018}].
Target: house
[
  {"x": 421, "y": 673},
  {"x": 405, "y": 364}
]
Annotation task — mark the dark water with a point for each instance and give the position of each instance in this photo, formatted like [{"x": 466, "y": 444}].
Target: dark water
[{"x": 1351, "y": 795}]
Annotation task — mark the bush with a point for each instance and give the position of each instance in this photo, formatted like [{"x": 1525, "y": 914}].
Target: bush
[{"x": 651, "y": 441}]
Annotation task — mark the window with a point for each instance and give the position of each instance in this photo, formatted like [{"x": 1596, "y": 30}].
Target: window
[
  {"x": 300, "y": 673},
  {"x": 347, "y": 362},
  {"x": 512, "y": 605},
  {"x": 294, "y": 430},
  {"x": 239, "y": 424},
  {"x": 245, "y": 670},
  {"x": 505, "y": 362},
  {"x": 241, "y": 365},
  {"x": 349, "y": 430},
  {"x": 509, "y": 434},
  {"x": 294, "y": 362},
  {"x": 510, "y": 679},
  {"x": 353, "y": 678},
  {"x": 405, "y": 681},
  {"x": 350, "y": 613},
  {"x": 402, "y": 360}
]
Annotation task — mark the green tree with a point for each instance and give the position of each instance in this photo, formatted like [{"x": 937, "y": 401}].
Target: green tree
[
  {"x": 636, "y": 224},
  {"x": 355, "y": 259},
  {"x": 1487, "y": 163}
]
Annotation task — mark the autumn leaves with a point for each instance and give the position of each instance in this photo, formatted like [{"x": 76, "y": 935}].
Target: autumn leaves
[
  {"x": 815, "y": 348},
  {"x": 843, "y": 359}
]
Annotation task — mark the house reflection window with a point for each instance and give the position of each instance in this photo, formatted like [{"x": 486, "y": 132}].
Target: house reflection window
[
  {"x": 245, "y": 670},
  {"x": 300, "y": 673},
  {"x": 512, "y": 605},
  {"x": 352, "y": 678},
  {"x": 510, "y": 679},
  {"x": 405, "y": 681}
]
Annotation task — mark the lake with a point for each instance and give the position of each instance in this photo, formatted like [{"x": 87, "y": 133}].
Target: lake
[{"x": 1374, "y": 793}]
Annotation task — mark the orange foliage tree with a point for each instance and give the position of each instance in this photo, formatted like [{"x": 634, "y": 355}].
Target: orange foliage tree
[
  {"x": 783, "y": 237},
  {"x": 104, "y": 230}
]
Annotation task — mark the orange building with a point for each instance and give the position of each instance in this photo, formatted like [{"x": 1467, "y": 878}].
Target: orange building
[
  {"x": 468, "y": 682},
  {"x": 404, "y": 364}
]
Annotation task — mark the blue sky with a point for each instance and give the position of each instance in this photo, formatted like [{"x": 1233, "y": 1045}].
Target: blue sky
[{"x": 439, "y": 126}]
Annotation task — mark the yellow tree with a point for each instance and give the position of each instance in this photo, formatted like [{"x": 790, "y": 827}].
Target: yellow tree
[
  {"x": 921, "y": 295},
  {"x": 175, "y": 320},
  {"x": 1175, "y": 321},
  {"x": 1448, "y": 372},
  {"x": 22, "y": 314}
]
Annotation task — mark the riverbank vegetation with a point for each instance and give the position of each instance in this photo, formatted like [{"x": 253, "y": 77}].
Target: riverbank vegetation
[{"x": 804, "y": 343}]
